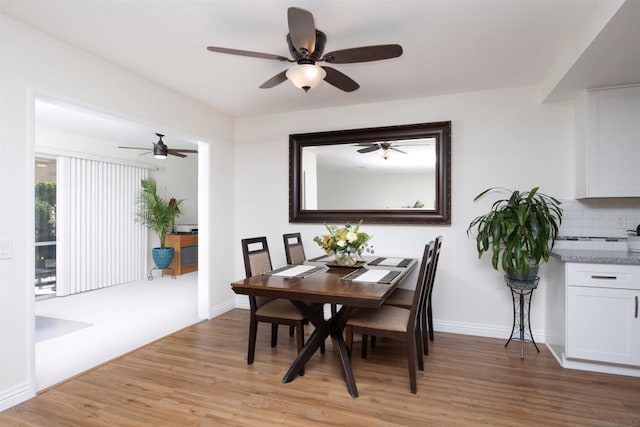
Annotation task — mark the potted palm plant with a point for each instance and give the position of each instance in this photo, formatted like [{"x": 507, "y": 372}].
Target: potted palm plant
[
  {"x": 159, "y": 216},
  {"x": 520, "y": 230}
]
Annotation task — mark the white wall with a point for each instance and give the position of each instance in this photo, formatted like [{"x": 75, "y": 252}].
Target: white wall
[
  {"x": 34, "y": 64},
  {"x": 343, "y": 189},
  {"x": 499, "y": 138}
]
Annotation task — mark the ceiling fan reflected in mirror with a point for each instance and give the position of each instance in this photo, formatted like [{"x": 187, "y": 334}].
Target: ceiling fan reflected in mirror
[
  {"x": 306, "y": 45},
  {"x": 386, "y": 149},
  {"x": 160, "y": 149}
]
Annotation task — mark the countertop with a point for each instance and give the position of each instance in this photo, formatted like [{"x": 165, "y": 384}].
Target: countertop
[{"x": 595, "y": 256}]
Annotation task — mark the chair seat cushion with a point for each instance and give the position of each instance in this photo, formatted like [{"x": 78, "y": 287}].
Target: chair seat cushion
[
  {"x": 385, "y": 318},
  {"x": 400, "y": 298},
  {"x": 279, "y": 308}
]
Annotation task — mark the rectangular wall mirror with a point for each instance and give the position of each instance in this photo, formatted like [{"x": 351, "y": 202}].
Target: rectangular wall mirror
[{"x": 392, "y": 174}]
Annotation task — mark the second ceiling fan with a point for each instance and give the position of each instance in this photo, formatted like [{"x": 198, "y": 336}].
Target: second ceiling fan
[
  {"x": 306, "y": 45},
  {"x": 160, "y": 149}
]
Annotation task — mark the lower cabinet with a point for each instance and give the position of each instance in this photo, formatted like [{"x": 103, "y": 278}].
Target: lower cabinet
[{"x": 603, "y": 322}]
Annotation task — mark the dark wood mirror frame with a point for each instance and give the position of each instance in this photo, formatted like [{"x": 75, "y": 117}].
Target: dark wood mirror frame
[{"x": 441, "y": 215}]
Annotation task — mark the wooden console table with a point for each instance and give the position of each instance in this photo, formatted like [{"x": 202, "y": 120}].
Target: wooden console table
[{"x": 185, "y": 257}]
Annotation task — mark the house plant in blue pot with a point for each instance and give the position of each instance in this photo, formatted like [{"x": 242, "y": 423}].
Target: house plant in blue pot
[{"x": 158, "y": 215}]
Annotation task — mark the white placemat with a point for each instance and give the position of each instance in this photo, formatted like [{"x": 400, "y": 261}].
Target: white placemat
[
  {"x": 296, "y": 270},
  {"x": 392, "y": 262},
  {"x": 371, "y": 276}
]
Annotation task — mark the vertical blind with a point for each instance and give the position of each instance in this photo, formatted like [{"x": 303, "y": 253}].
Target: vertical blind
[{"x": 100, "y": 244}]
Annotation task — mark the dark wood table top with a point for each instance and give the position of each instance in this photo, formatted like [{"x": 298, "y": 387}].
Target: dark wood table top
[{"x": 323, "y": 286}]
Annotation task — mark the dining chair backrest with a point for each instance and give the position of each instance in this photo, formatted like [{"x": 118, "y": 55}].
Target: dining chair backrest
[
  {"x": 436, "y": 257},
  {"x": 430, "y": 276},
  {"x": 257, "y": 260},
  {"x": 421, "y": 283},
  {"x": 293, "y": 249}
]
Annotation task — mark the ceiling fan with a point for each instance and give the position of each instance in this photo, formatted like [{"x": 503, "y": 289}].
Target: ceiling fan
[
  {"x": 306, "y": 45},
  {"x": 160, "y": 149},
  {"x": 386, "y": 148}
]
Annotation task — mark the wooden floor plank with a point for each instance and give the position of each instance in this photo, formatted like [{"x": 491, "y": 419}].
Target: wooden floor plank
[{"x": 199, "y": 376}]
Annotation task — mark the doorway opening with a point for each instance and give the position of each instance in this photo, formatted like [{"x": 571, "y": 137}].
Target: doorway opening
[{"x": 57, "y": 358}]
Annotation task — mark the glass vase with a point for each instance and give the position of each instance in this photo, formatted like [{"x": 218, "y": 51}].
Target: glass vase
[{"x": 346, "y": 259}]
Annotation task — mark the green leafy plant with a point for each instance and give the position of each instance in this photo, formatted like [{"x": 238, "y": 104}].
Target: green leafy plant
[
  {"x": 156, "y": 213},
  {"x": 417, "y": 205},
  {"x": 519, "y": 230}
]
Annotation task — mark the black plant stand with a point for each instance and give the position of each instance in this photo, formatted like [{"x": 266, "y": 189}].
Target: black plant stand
[
  {"x": 150, "y": 276},
  {"x": 521, "y": 293}
]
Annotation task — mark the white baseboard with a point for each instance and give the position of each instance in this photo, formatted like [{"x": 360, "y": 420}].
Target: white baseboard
[
  {"x": 242, "y": 301},
  {"x": 16, "y": 395},
  {"x": 586, "y": 365},
  {"x": 223, "y": 308},
  {"x": 481, "y": 330}
]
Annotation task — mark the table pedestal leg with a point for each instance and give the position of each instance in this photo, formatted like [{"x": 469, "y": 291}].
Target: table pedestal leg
[{"x": 324, "y": 328}]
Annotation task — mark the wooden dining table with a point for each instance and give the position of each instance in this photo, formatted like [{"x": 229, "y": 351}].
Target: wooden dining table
[{"x": 328, "y": 285}]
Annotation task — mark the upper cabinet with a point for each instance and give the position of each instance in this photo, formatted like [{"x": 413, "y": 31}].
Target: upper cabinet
[{"x": 608, "y": 143}]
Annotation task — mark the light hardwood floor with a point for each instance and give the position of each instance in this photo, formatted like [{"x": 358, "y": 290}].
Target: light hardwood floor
[{"x": 199, "y": 376}]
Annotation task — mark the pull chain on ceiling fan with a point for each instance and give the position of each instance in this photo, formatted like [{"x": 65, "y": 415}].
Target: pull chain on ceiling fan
[
  {"x": 306, "y": 45},
  {"x": 160, "y": 149}
]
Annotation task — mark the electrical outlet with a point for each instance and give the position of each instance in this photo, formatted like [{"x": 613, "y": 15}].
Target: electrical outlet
[{"x": 620, "y": 222}]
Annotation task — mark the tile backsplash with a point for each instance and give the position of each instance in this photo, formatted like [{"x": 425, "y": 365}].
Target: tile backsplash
[{"x": 597, "y": 223}]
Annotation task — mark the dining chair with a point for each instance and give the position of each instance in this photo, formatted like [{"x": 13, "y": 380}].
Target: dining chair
[
  {"x": 293, "y": 249},
  {"x": 404, "y": 298},
  {"x": 396, "y": 322},
  {"x": 433, "y": 278},
  {"x": 257, "y": 260}
]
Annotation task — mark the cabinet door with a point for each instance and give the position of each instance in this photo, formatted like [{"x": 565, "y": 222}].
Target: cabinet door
[
  {"x": 608, "y": 133},
  {"x": 603, "y": 325}
]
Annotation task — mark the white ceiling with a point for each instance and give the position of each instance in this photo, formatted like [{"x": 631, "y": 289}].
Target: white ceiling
[{"x": 449, "y": 46}]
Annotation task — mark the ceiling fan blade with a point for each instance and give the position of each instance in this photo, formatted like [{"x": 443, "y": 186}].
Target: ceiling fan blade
[
  {"x": 302, "y": 30},
  {"x": 398, "y": 150},
  {"x": 340, "y": 80},
  {"x": 175, "y": 153},
  {"x": 248, "y": 53},
  {"x": 134, "y": 148},
  {"x": 275, "y": 80},
  {"x": 363, "y": 54},
  {"x": 180, "y": 150},
  {"x": 368, "y": 149}
]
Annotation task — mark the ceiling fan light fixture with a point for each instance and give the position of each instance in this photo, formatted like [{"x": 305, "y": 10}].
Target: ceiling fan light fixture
[
  {"x": 385, "y": 153},
  {"x": 306, "y": 76},
  {"x": 159, "y": 152}
]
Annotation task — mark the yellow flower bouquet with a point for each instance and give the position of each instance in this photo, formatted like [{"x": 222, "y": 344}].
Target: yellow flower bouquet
[{"x": 345, "y": 243}]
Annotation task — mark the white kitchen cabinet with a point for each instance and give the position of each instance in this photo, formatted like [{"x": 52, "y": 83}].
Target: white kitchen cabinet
[
  {"x": 607, "y": 136},
  {"x": 603, "y": 321}
]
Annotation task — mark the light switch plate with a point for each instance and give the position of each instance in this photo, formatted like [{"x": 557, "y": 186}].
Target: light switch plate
[{"x": 6, "y": 249}]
